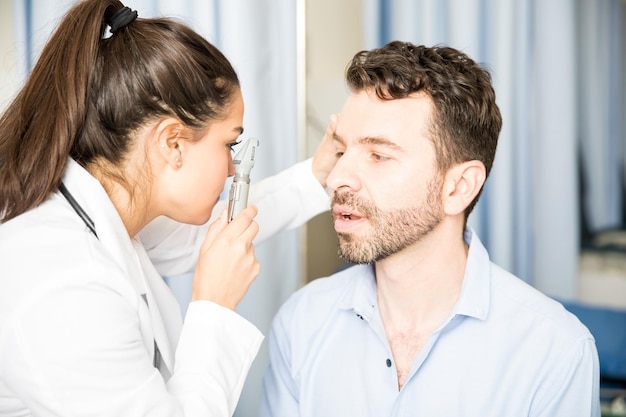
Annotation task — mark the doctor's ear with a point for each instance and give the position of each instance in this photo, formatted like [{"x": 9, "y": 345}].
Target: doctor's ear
[
  {"x": 462, "y": 183},
  {"x": 170, "y": 134}
]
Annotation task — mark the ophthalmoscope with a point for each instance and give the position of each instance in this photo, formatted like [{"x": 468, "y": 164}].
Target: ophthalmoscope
[{"x": 244, "y": 161}]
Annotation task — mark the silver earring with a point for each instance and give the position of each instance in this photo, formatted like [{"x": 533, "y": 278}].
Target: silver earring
[{"x": 178, "y": 163}]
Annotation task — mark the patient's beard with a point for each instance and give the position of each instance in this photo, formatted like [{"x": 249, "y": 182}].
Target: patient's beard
[{"x": 392, "y": 230}]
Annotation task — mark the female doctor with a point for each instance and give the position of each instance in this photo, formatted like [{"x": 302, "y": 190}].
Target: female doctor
[{"x": 108, "y": 135}]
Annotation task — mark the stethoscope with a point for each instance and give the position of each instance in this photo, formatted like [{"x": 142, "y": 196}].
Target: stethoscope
[
  {"x": 156, "y": 360},
  {"x": 78, "y": 209}
]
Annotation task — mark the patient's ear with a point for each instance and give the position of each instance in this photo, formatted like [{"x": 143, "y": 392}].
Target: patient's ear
[{"x": 462, "y": 184}]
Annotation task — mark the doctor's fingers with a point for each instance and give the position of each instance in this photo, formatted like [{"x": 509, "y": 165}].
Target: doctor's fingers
[
  {"x": 243, "y": 224},
  {"x": 235, "y": 236},
  {"x": 237, "y": 226},
  {"x": 225, "y": 270},
  {"x": 325, "y": 157}
]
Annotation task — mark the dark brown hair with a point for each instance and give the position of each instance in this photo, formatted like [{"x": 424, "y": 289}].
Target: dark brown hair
[
  {"x": 88, "y": 92},
  {"x": 466, "y": 119}
]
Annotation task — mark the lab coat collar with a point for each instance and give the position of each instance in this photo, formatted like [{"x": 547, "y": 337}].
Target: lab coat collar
[
  {"x": 94, "y": 200},
  {"x": 129, "y": 256},
  {"x": 164, "y": 309}
]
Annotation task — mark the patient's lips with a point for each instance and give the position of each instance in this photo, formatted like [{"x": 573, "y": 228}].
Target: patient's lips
[{"x": 347, "y": 219}]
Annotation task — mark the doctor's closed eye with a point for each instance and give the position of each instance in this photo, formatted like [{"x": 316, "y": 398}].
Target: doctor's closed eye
[{"x": 231, "y": 145}]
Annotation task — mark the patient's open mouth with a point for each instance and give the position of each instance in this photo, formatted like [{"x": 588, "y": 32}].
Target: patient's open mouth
[{"x": 346, "y": 218}]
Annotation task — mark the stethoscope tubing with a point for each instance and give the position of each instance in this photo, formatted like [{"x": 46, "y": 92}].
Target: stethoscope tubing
[{"x": 78, "y": 209}]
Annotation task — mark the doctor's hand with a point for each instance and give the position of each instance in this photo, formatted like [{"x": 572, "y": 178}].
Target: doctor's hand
[
  {"x": 227, "y": 264},
  {"x": 325, "y": 156}
]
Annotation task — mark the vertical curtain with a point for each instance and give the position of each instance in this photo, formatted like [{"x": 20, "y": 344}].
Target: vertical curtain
[
  {"x": 602, "y": 39},
  {"x": 259, "y": 37},
  {"x": 557, "y": 68}
]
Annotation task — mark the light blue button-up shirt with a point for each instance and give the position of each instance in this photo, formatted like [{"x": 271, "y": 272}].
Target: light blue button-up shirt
[{"x": 506, "y": 350}]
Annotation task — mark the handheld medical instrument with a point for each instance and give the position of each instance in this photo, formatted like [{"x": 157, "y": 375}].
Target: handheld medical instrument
[{"x": 244, "y": 161}]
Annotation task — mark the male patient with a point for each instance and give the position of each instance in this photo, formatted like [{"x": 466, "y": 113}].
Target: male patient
[{"x": 425, "y": 325}]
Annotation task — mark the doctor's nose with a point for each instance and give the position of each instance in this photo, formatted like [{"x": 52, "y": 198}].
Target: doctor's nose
[
  {"x": 231, "y": 167},
  {"x": 344, "y": 174}
]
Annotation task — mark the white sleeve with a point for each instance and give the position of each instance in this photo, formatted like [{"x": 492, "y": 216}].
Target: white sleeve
[
  {"x": 215, "y": 351},
  {"x": 285, "y": 201}
]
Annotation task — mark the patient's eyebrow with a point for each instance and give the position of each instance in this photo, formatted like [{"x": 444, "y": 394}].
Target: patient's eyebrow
[
  {"x": 378, "y": 140},
  {"x": 371, "y": 140}
]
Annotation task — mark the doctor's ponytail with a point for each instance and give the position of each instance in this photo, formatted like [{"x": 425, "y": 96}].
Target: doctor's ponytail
[{"x": 40, "y": 126}]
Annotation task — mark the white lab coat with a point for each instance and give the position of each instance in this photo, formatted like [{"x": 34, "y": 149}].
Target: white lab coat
[{"x": 80, "y": 315}]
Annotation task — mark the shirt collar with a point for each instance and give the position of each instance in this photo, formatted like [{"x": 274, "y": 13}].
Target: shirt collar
[
  {"x": 361, "y": 297},
  {"x": 475, "y": 291}
]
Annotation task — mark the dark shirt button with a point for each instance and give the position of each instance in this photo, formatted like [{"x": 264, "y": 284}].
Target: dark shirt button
[{"x": 388, "y": 363}]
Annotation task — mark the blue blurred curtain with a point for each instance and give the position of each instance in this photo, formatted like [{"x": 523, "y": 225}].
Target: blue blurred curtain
[
  {"x": 259, "y": 37},
  {"x": 558, "y": 71}
]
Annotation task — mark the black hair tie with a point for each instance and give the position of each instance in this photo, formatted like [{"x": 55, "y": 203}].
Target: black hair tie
[{"x": 121, "y": 18}]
